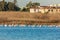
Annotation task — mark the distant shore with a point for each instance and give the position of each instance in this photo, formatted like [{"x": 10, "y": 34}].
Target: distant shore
[{"x": 13, "y": 17}]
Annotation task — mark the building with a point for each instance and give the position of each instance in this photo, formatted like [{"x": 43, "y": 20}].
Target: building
[
  {"x": 54, "y": 10},
  {"x": 34, "y": 9},
  {"x": 39, "y": 9},
  {"x": 45, "y": 9}
]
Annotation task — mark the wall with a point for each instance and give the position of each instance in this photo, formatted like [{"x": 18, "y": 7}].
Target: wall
[{"x": 32, "y": 10}]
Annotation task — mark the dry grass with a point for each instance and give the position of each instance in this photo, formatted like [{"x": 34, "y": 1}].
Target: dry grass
[{"x": 10, "y": 17}]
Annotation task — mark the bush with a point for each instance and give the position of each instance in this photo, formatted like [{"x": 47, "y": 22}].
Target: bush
[{"x": 25, "y": 9}]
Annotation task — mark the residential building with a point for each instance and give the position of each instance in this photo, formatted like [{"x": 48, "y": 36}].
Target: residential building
[
  {"x": 45, "y": 9},
  {"x": 34, "y": 9}
]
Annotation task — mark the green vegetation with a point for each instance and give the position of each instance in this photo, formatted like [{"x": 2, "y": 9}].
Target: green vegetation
[
  {"x": 25, "y": 9},
  {"x": 11, "y": 6},
  {"x": 30, "y": 4},
  {"x": 4, "y": 6}
]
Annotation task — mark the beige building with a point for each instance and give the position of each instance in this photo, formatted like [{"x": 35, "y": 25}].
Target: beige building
[
  {"x": 54, "y": 10},
  {"x": 45, "y": 9},
  {"x": 34, "y": 10}
]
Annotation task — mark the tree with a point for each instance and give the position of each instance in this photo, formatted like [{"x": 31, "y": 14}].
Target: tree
[
  {"x": 11, "y": 6},
  {"x": 30, "y": 4},
  {"x": 17, "y": 8},
  {"x": 36, "y": 4},
  {"x": 4, "y": 6},
  {"x": 25, "y": 9}
]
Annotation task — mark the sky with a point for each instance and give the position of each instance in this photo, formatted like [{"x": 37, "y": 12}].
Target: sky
[{"x": 22, "y": 3}]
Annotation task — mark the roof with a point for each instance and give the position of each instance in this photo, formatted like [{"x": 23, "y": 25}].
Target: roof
[
  {"x": 35, "y": 7},
  {"x": 45, "y": 7}
]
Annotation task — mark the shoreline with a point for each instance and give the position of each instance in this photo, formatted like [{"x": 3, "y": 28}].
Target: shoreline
[{"x": 32, "y": 26}]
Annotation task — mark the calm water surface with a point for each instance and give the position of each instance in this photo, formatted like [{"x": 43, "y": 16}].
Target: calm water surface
[{"x": 29, "y": 33}]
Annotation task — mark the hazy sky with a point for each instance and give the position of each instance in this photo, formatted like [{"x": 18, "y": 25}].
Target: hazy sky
[{"x": 22, "y": 3}]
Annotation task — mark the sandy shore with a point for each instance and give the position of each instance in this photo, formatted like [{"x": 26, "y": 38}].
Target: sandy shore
[{"x": 10, "y": 17}]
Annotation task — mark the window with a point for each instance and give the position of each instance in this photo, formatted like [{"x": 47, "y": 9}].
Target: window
[
  {"x": 49, "y": 10},
  {"x": 52, "y": 10}
]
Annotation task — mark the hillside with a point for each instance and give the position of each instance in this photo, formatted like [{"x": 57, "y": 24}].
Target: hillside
[{"x": 10, "y": 17}]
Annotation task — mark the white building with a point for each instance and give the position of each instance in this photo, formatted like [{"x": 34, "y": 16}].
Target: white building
[
  {"x": 45, "y": 9},
  {"x": 41, "y": 9},
  {"x": 34, "y": 10}
]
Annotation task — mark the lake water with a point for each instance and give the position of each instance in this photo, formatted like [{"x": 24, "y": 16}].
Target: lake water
[{"x": 29, "y": 33}]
